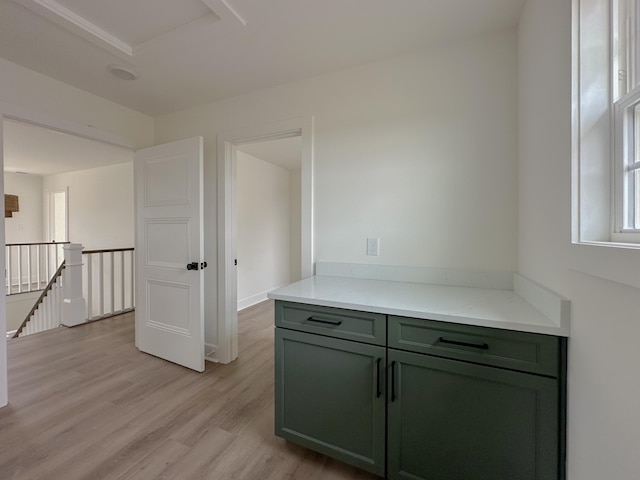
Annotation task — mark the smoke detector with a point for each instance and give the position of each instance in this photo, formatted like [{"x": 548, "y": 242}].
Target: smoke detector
[{"x": 121, "y": 72}]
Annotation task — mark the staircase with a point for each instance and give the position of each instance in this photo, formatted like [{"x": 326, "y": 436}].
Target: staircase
[
  {"x": 87, "y": 286},
  {"x": 47, "y": 311}
]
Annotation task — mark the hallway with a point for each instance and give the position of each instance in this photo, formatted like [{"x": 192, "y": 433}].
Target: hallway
[{"x": 84, "y": 403}]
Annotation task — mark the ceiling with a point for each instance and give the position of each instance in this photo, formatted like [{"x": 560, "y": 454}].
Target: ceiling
[
  {"x": 189, "y": 52},
  {"x": 283, "y": 152},
  {"x": 36, "y": 150}
]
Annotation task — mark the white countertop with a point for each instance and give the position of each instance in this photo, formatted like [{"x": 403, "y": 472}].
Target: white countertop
[{"x": 487, "y": 307}]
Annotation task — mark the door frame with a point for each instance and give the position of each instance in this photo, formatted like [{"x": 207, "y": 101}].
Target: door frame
[
  {"x": 227, "y": 143},
  {"x": 12, "y": 112},
  {"x": 50, "y": 214}
]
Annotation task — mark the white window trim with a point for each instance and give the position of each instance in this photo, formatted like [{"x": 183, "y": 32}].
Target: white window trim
[
  {"x": 623, "y": 148},
  {"x": 625, "y": 96},
  {"x": 611, "y": 258},
  {"x": 611, "y": 261}
]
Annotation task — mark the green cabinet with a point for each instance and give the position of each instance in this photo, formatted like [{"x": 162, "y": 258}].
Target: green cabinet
[
  {"x": 418, "y": 399},
  {"x": 329, "y": 396},
  {"x": 452, "y": 420}
]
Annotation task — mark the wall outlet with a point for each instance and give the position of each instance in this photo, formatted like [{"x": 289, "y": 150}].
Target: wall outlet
[{"x": 373, "y": 246}]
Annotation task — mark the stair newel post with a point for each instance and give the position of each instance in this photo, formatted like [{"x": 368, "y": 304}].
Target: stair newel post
[{"x": 73, "y": 307}]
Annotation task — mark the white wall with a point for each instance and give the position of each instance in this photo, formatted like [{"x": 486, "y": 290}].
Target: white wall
[
  {"x": 17, "y": 307},
  {"x": 4, "y": 394},
  {"x": 419, "y": 151},
  {"x": 26, "y": 90},
  {"x": 604, "y": 385},
  {"x": 101, "y": 208},
  {"x": 26, "y": 225},
  {"x": 295, "y": 224},
  {"x": 263, "y": 216}
]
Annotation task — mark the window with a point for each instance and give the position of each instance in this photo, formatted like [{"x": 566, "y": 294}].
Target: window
[
  {"x": 626, "y": 118},
  {"x": 605, "y": 192}
]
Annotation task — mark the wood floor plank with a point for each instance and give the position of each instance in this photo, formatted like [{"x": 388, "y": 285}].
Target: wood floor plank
[
  {"x": 86, "y": 404},
  {"x": 152, "y": 465},
  {"x": 202, "y": 457}
]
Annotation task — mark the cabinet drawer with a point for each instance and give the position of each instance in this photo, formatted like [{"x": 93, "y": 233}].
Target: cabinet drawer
[
  {"x": 526, "y": 352},
  {"x": 332, "y": 322}
]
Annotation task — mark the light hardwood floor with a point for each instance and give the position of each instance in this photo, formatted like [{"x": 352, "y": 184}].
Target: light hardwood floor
[{"x": 86, "y": 404}]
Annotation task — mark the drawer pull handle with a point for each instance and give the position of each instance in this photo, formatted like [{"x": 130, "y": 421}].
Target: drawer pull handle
[
  {"x": 481, "y": 346},
  {"x": 335, "y": 323},
  {"x": 378, "y": 389},
  {"x": 393, "y": 381}
]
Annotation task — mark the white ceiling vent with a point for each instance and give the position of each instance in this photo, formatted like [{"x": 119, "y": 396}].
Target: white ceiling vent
[{"x": 123, "y": 73}]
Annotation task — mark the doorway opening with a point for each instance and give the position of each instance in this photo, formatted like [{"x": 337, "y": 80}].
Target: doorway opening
[
  {"x": 58, "y": 215},
  {"x": 268, "y": 197},
  {"x": 229, "y": 144},
  {"x": 8, "y": 113},
  {"x": 41, "y": 157}
]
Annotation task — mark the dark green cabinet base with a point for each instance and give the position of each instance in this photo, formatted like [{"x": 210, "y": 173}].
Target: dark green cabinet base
[
  {"x": 424, "y": 400},
  {"x": 453, "y": 420},
  {"x": 330, "y": 397}
]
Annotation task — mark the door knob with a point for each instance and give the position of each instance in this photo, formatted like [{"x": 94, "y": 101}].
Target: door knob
[{"x": 192, "y": 266}]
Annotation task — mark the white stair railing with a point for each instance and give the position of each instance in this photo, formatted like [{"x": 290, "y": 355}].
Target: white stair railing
[
  {"x": 29, "y": 266},
  {"x": 108, "y": 282},
  {"x": 61, "y": 302},
  {"x": 48, "y": 315},
  {"x": 89, "y": 285}
]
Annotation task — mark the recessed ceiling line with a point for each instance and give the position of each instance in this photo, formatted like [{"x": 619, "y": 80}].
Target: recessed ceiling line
[
  {"x": 62, "y": 130},
  {"x": 68, "y": 19},
  {"x": 79, "y": 25},
  {"x": 223, "y": 10}
]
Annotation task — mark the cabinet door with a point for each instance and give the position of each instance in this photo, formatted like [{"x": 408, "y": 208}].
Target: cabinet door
[
  {"x": 452, "y": 420},
  {"x": 330, "y": 397}
]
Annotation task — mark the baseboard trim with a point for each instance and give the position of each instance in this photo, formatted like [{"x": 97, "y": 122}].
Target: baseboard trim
[
  {"x": 257, "y": 298},
  {"x": 210, "y": 352}
]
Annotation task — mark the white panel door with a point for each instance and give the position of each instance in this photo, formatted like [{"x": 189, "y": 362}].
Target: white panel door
[{"x": 169, "y": 252}]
